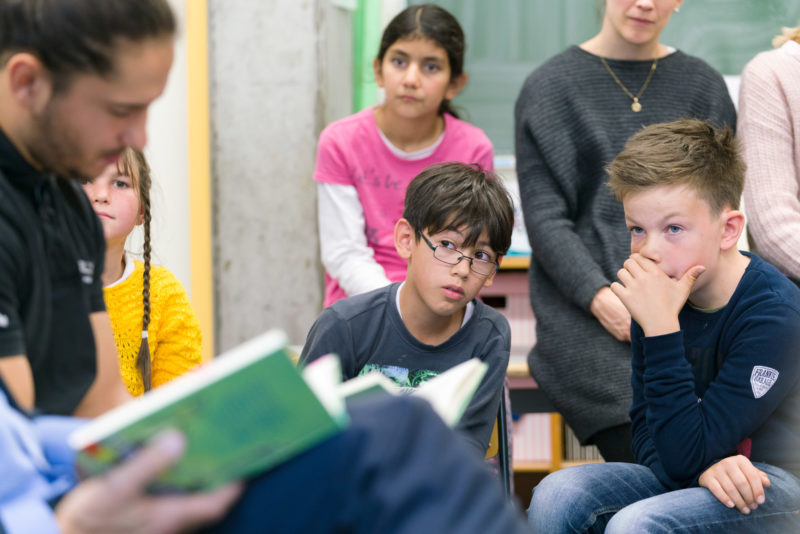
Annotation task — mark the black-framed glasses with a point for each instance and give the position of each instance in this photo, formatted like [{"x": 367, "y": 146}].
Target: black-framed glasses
[{"x": 452, "y": 256}]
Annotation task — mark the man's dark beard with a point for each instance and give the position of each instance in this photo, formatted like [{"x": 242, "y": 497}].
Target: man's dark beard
[{"x": 51, "y": 160}]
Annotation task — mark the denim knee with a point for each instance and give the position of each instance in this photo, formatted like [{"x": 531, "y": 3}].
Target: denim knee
[
  {"x": 563, "y": 502},
  {"x": 635, "y": 519}
]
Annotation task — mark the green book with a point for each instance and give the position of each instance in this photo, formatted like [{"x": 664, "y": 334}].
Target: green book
[{"x": 243, "y": 412}]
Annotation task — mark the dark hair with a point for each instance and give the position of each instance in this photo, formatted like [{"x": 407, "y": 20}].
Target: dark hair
[
  {"x": 461, "y": 197},
  {"x": 684, "y": 152},
  {"x": 133, "y": 164},
  {"x": 431, "y": 22},
  {"x": 79, "y": 36}
]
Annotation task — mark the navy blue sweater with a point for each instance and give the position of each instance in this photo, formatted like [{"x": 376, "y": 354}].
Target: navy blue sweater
[{"x": 727, "y": 378}]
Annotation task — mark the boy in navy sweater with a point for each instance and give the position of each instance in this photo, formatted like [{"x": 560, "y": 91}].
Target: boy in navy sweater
[
  {"x": 456, "y": 226},
  {"x": 716, "y": 357}
]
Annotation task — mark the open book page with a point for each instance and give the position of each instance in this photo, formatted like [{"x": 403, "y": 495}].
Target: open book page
[
  {"x": 373, "y": 383},
  {"x": 243, "y": 412},
  {"x": 448, "y": 393},
  {"x": 324, "y": 377}
]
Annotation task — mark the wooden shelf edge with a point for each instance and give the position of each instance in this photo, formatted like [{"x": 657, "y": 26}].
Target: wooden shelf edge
[
  {"x": 545, "y": 466},
  {"x": 514, "y": 262},
  {"x": 542, "y": 466},
  {"x": 573, "y": 463}
]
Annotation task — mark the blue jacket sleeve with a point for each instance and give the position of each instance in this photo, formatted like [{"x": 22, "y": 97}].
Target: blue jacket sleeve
[
  {"x": 690, "y": 432},
  {"x": 27, "y": 516},
  {"x": 644, "y": 448},
  {"x": 36, "y": 466}
]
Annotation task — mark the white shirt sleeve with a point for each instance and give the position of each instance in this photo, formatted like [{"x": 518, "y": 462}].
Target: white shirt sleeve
[{"x": 343, "y": 240}]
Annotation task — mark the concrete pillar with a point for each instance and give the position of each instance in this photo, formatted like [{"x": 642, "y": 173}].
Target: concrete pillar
[{"x": 266, "y": 86}]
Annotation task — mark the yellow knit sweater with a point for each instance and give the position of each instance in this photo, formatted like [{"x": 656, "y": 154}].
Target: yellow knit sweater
[{"x": 174, "y": 333}]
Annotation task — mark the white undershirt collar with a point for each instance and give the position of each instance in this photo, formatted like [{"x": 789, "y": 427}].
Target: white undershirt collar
[
  {"x": 411, "y": 156},
  {"x": 126, "y": 272}
]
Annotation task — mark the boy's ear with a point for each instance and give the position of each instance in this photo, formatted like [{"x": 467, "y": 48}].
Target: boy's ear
[
  {"x": 376, "y": 69},
  {"x": 733, "y": 226},
  {"x": 404, "y": 236},
  {"x": 490, "y": 279},
  {"x": 456, "y": 85},
  {"x": 29, "y": 81}
]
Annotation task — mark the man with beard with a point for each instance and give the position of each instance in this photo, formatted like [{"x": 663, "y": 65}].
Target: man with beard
[
  {"x": 75, "y": 92},
  {"x": 76, "y": 80}
]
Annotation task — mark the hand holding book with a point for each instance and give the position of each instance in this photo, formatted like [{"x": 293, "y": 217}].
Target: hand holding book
[{"x": 247, "y": 411}]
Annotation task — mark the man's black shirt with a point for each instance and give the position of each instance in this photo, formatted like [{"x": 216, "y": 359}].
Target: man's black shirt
[{"x": 51, "y": 260}]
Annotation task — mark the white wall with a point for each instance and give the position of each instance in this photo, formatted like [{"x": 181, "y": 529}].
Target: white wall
[{"x": 167, "y": 152}]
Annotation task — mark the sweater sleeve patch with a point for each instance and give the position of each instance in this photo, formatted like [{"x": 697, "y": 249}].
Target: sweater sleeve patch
[{"x": 762, "y": 379}]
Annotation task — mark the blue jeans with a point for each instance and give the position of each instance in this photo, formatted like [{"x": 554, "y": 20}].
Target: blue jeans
[
  {"x": 618, "y": 498},
  {"x": 396, "y": 469}
]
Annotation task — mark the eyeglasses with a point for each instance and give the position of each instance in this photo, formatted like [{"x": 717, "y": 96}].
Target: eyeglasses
[{"x": 453, "y": 256}]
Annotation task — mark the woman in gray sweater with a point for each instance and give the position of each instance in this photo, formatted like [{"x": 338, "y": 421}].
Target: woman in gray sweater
[{"x": 572, "y": 117}]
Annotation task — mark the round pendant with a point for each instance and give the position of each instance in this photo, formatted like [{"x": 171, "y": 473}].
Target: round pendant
[{"x": 636, "y": 107}]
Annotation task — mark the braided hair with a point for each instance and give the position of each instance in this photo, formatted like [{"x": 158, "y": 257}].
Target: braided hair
[{"x": 134, "y": 165}]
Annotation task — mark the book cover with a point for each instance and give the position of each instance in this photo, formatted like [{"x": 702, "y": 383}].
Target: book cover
[{"x": 242, "y": 413}]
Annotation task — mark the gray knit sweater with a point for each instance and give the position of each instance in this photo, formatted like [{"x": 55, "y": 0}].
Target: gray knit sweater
[{"x": 571, "y": 119}]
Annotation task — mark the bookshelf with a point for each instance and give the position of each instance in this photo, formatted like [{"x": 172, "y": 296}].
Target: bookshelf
[{"x": 542, "y": 443}]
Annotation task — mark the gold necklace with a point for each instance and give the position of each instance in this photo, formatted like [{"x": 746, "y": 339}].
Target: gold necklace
[{"x": 635, "y": 106}]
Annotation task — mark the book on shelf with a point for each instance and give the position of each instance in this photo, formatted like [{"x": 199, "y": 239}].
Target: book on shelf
[
  {"x": 532, "y": 435},
  {"x": 242, "y": 413},
  {"x": 575, "y": 452}
]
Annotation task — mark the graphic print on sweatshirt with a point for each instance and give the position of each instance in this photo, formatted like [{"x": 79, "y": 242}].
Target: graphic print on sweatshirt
[{"x": 406, "y": 379}]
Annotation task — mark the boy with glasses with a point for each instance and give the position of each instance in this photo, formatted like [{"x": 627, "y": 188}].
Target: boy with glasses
[
  {"x": 76, "y": 80},
  {"x": 456, "y": 227}
]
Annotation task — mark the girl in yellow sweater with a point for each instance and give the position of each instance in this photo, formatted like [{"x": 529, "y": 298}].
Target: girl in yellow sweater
[{"x": 156, "y": 331}]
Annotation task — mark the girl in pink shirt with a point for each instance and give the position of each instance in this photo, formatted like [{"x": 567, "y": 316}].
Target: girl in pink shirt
[{"x": 366, "y": 160}]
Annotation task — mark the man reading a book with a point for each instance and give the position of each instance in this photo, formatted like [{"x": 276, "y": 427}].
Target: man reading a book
[
  {"x": 76, "y": 80},
  {"x": 68, "y": 106},
  {"x": 456, "y": 226}
]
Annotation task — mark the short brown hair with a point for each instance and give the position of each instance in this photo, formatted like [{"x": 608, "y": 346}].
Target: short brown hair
[
  {"x": 454, "y": 196},
  {"x": 684, "y": 152}
]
